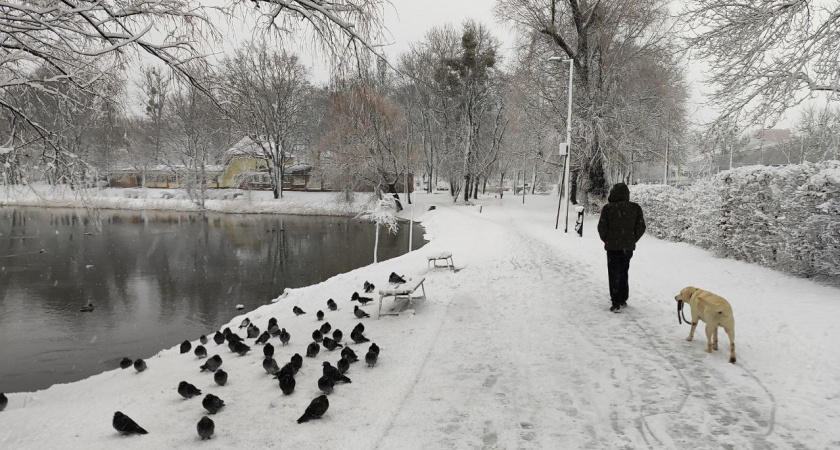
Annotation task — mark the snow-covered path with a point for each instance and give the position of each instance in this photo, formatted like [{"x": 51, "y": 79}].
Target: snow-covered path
[
  {"x": 514, "y": 350},
  {"x": 529, "y": 357}
]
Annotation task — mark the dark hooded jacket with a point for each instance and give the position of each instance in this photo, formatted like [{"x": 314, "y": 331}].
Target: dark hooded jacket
[{"x": 622, "y": 223}]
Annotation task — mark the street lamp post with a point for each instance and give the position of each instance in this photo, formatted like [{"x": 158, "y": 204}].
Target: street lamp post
[{"x": 568, "y": 135}]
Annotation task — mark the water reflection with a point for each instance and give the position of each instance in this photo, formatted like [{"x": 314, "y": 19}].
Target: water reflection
[{"x": 154, "y": 278}]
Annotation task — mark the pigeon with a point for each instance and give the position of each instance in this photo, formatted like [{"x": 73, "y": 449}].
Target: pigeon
[
  {"x": 330, "y": 344},
  {"x": 342, "y": 365},
  {"x": 232, "y": 346},
  {"x": 220, "y": 377},
  {"x": 245, "y": 323},
  {"x": 203, "y": 339},
  {"x": 297, "y": 361},
  {"x": 317, "y": 336},
  {"x": 272, "y": 322},
  {"x": 298, "y": 311},
  {"x": 88, "y": 308},
  {"x": 360, "y": 327},
  {"x": 284, "y": 336},
  {"x": 139, "y": 365},
  {"x": 288, "y": 369},
  {"x": 337, "y": 335},
  {"x": 359, "y": 313},
  {"x": 362, "y": 300},
  {"x": 268, "y": 350},
  {"x": 3, "y": 401},
  {"x": 253, "y": 332},
  {"x": 188, "y": 390},
  {"x": 319, "y": 315},
  {"x": 212, "y": 403},
  {"x": 185, "y": 347},
  {"x": 331, "y": 305},
  {"x": 395, "y": 279},
  {"x": 212, "y": 364},
  {"x": 287, "y": 384},
  {"x": 126, "y": 363},
  {"x": 241, "y": 348},
  {"x": 369, "y": 287},
  {"x": 358, "y": 337},
  {"x": 232, "y": 337},
  {"x": 334, "y": 374},
  {"x": 371, "y": 358},
  {"x": 325, "y": 328},
  {"x": 374, "y": 348},
  {"x": 205, "y": 427},
  {"x": 125, "y": 425},
  {"x": 264, "y": 337},
  {"x": 200, "y": 351},
  {"x": 316, "y": 409},
  {"x": 219, "y": 338},
  {"x": 326, "y": 384},
  {"x": 348, "y": 354},
  {"x": 227, "y": 331},
  {"x": 313, "y": 349},
  {"x": 270, "y": 365}
]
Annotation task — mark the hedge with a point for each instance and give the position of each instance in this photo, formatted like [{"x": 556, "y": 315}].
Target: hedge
[{"x": 786, "y": 218}]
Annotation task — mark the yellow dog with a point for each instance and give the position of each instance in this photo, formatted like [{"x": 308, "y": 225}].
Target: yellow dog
[{"x": 712, "y": 309}]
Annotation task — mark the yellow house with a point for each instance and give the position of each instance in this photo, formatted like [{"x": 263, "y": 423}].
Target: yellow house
[{"x": 245, "y": 163}]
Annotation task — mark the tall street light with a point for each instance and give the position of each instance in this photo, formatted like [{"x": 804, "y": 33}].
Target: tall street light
[{"x": 568, "y": 134}]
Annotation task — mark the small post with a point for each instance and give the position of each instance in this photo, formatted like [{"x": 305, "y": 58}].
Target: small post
[{"x": 579, "y": 222}]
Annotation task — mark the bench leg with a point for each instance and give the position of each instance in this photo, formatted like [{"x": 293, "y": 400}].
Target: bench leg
[{"x": 451, "y": 264}]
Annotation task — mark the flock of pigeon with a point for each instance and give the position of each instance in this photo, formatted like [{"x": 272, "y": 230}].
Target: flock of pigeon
[{"x": 330, "y": 339}]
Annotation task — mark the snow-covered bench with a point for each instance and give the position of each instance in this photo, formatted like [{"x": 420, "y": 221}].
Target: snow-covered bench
[
  {"x": 405, "y": 291},
  {"x": 445, "y": 256}
]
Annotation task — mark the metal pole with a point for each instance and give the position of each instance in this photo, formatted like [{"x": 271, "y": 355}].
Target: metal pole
[
  {"x": 569, "y": 139},
  {"x": 560, "y": 201}
]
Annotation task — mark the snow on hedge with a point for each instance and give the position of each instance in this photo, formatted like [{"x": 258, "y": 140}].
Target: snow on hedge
[{"x": 787, "y": 218}]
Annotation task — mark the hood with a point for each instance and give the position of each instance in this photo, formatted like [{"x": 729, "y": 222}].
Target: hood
[{"x": 619, "y": 193}]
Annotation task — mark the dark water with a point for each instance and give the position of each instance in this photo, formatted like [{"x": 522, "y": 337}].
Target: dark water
[{"x": 153, "y": 277}]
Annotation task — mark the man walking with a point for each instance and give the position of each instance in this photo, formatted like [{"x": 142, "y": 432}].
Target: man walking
[{"x": 621, "y": 225}]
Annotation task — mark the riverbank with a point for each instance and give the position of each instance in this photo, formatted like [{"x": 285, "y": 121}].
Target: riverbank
[
  {"x": 235, "y": 201},
  {"x": 514, "y": 350}
]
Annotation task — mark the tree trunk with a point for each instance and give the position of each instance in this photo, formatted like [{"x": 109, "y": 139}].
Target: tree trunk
[
  {"x": 534, "y": 181},
  {"x": 467, "y": 186},
  {"x": 376, "y": 243},
  {"x": 392, "y": 189}
]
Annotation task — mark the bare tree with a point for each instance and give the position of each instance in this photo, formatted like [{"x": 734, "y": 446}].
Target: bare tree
[
  {"x": 601, "y": 37},
  {"x": 85, "y": 45},
  {"x": 197, "y": 134},
  {"x": 765, "y": 56},
  {"x": 89, "y": 43},
  {"x": 270, "y": 92},
  {"x": 348, "y": 30},
  {"x": 817, "y": 136},
  {"x": 365, "y": 139}
]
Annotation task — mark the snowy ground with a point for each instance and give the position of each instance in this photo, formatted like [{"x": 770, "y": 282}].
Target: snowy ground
[
  {"x": 217, "y": 200},
  {"x": 515, "y": 350}
]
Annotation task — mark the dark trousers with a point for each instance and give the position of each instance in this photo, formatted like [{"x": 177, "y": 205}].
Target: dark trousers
[{"x": 618, "y": 264}]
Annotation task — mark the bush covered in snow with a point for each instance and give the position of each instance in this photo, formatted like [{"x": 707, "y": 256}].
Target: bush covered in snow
[{"x": 787, "y": 218}]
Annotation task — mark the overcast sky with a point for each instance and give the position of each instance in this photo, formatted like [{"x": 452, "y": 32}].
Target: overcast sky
[{"x": 408, "y": 21}]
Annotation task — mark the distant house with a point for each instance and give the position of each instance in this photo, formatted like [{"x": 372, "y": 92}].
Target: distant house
[
  {"x": 244, "y": 166},
  {"x": 162, "y": 176},
  {"x": 247, "y": 167}
]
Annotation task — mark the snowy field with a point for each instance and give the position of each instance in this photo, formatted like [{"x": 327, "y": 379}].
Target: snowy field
[{"x": 517, "y": 349}]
